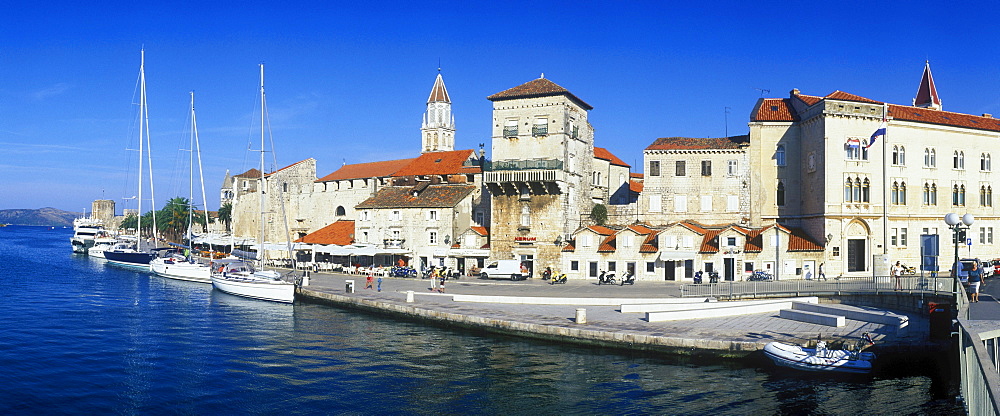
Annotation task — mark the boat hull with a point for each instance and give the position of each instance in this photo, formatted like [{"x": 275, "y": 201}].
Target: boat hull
[
  {"x": 255, "y": 288},
  {"x": 134, "y": 259},
  {"x": 181, "y": 270},
  {"x": 837, "y": 361}
]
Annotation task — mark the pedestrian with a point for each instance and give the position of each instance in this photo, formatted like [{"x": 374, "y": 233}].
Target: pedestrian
[
  {"x": 434, "y": 279},
  {"x": 822, "y": 271},
  {"x": 379, "y": 283},
  {"x": 897, "y": 271},
  {"x": 975, "y": 280},
  {"x": 369, "y": 280},
  {"x": 441, "y": 287}
]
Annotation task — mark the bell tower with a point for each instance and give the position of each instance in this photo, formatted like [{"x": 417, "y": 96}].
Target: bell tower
[{"x": 438, "y": 129}]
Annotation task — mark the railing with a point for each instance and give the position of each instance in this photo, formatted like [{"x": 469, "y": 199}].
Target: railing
[
  {"x": 977, "y": 354},
  {"x": 532, "y": 164},
  {"x": 510, "y": 132},
  {"x": 836, "y": 286},
  {"x": 540, "y": 130}
]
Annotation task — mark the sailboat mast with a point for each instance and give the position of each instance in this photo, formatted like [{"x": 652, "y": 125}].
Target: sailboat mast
[
  {"x": 142, "y": 124},
  {"x": 190, "y": 207},
  {"x": 262, "y": 185},
  {"x": 201, "y": 173}
]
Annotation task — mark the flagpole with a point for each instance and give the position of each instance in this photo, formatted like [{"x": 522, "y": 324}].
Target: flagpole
[{"x": 885, "y": 201}]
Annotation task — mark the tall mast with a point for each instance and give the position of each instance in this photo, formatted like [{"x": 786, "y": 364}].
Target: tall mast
[
  {"x": 262, "y": 185},
  {"x": 142, "y": 125},
  {"x": 201, "y": 174},
  {"x": 191, "y": 175}
]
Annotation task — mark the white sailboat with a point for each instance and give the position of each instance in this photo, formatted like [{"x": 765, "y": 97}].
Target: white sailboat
[
  {"x": 177, "y": 266},
  {"x": 123, "y": 253},
  {"x": 243, "y": 278}
]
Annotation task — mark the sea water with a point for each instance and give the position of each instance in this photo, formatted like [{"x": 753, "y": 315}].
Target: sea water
[{"x": 78, "y": 336}]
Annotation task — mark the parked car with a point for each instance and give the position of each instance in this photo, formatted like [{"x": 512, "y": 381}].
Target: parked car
[
  {"x": 963, "y": 271},
  {"x": 987, "y": 269},
  {"x": 504, "y": 269},
  {"x": 995, "y": 266}
]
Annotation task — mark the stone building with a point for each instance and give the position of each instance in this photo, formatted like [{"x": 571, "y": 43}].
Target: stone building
[
  {"x": 821, "y": 163},
  {"x": 542, "y": 179}
]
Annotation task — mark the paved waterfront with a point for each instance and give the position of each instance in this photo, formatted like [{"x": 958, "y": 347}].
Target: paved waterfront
[{"x": 605, "y": 324}]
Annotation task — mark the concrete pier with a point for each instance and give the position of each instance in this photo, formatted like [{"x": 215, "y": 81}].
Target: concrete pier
[{"x": 526, "y": 308}]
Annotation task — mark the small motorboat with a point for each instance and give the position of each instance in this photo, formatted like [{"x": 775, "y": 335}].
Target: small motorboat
[{"x": 821, "y": 358}]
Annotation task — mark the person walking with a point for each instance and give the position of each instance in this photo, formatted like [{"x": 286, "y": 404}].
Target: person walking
[
  {"x": 441, "y": 286},
  {"x": 379, "y": 283},
  {"x": 822, "y": 272},
  {"x": 897, "y": 271},
  {"x": 369, "y": 280},
  {"x": 975, "y": 280},
  {"x": 434, "y": 279}
]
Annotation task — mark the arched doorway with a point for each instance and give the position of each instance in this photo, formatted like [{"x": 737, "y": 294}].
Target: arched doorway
[{"x": 858, "y": 241}]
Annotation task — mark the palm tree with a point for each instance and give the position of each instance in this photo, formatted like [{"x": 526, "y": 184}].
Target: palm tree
[
  {"x": 173, "y": 218},
  {"x": 226, "y": 214}
]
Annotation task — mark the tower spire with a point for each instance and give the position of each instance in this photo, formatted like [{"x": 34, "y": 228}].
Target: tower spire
[
  {"x": 438, "y": 129},
  {"x": 927, "y": 95}
]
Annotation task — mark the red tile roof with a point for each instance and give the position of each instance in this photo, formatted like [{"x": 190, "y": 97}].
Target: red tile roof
[
  {"x": 846, "y": 96},
  {"x": 636, "y": 175},
  {"x": 608, "y": 245},
  {"x": 639, "y": 229},
  {"x": 439, "y": 163},
  {"x": 773, "y": 109},
  {"x": 808, "y": 99},
  {"x": 927, "y": 93},
  {"x": 688, "y": 143},
  {"x": 709, "y": 242},
  {"x": 540, "y": 87},
  {"x": 798, "y": 240},
  {"x": 483, "y": 231},
  {"x": 438, "y": 92},
  {"x": 432, "y": 196},
  {"x": 340, "y": 233},
  {"x": 635, "y": 186},
  {"x": 651, "y": 245},
  {"x": 569, "y": 247},
  {"x": 252, "y": 174},
  {"x": 602, "y": 230},
  {"x": 366, "y": 170},
  {"x": 604, "y": 154}
]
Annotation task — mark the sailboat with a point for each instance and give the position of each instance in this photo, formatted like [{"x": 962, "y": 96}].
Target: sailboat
[
  {"x": 244, "y": 278},
  {"x": 186, "y": 267},
  {"x": 129, "y": 252}
]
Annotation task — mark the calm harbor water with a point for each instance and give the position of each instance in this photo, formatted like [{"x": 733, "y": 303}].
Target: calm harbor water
[{"x": 79, "y": 336}]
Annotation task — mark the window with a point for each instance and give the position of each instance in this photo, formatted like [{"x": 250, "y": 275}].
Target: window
[
  {"x": 650, "y": 266},
  {"x": 655, "y": 204},
  {"x": 779, "y": 155},
  {"x": 365, "y": 216},
  {"x": 780, "y": 194},
  {"x": 897, "y": 237},
  {"x": 930, "y": 158},
  {"x": 510, "y": 128},
  {"x": 680, "y": 203},
  {"x": 984, "y": 162},
  {"x": 525, "y": 216},
  {"x": 989, "y": 235},
  {"x": 680, "y": 168},
  {"x": 480, "y": 218},
  {"x": 866, "y": 191},
  {"x": 706, "y": 168},
  {"x": 706, "y": 203},
  {"x": 611, "y": 266},
  {"x": 857, "y": 149},
  {"x": 732, "y": 203},
  {"x": 902, "y": 237},
  {"x": 898, "y": 193},
  {"x": 982, "y": 235},
  {"x": 626, "y": 240},
  {"x": 540, "y": 127},
  {"x": 432, "y": 238},
  {"x": 341, "y": 211},
  {"x": 654, "y": 168},
  {"x": 731, "y": 241},
  {"x": 593, "y": 269},
  {"x": 396, "y": 216},
  {"x": 432, "y": 215},
  {"x": 898, "y": 155},
  {"x": 857, "y": 190},
  {"x": 574, "y": 265},
  {"x": 284, "y": 187},
  {"x": 958, "y": 195},
  {"x": 958, "y": 160},
  {"x": 933, "y": 194},
  {"x": 731, "y": 168}
]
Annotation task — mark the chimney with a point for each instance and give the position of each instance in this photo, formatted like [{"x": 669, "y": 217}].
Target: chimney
[
  {"x": 793, "y": 92},
  {"x": 987, "y": 115}
]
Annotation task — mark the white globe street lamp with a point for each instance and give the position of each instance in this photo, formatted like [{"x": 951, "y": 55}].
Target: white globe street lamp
[{"x": 956, "y": 222}]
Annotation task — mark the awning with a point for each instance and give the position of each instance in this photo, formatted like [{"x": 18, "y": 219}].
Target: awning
[
  {"x": 468, "y": 252},
  {"x": 677, "y": 255}
]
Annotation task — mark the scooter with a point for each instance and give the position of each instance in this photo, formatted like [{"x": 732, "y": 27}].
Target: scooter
[
  {"x": 606, "y": 278},
  {"x": 697, "y": 277},
  {"x": 628, "y": 278},
  {"x": 557, "y": 279}
]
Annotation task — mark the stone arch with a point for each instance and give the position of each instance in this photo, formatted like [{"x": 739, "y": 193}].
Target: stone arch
[{"x": 341, "y": 211}]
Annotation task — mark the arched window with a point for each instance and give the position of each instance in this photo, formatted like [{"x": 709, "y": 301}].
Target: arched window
[
  {"x": 525, "y": 216},
  {"x": 961, "y": 160},
  {"x": 866, "y": 191},
  {"x": 848, "y": 190},
  {"x": 982, "y": 196},
  {"x": 989, "y": 196},
  {"x": 926, "y": 196},
  {"x": 894, "y": 195},
  {"x": 780, "y": 196},
  {"x": 954, "y": 195},
  {"x": 902, "y": 155},
  {"x": 933, "y": 194},
  {"x": 954, "y": 159},
  {"x": 779, "y": 155},
  {"x": 984, "y": 162},
  {"x": 895, "y": 155},
  {"x": 857, "y": 190},
  {"x": 933, "y": 158},
  {"x": 902, "y": 193},
  {"x": 341, "y": 211},
  {"x": 927, "y": 157},
  {"x": 961, "y": 195}
]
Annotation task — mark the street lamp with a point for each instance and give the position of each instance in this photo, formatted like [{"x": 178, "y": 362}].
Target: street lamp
[{"x": 956, "y": 223}]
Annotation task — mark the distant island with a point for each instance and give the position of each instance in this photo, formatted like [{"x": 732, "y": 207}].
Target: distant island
[{"x": 42, "y": 216}]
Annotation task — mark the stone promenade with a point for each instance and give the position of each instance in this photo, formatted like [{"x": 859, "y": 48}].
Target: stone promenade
[{"x": 605, "y": 325}]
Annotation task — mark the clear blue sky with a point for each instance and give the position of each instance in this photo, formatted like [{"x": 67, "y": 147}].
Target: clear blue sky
[{"x": 348, "y": 82}]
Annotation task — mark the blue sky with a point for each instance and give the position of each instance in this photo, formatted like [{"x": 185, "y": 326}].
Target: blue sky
[{"x": 348, "y": 82}]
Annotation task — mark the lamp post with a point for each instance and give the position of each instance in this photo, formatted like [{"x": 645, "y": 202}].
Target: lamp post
[{"x": 956, "y": 222}]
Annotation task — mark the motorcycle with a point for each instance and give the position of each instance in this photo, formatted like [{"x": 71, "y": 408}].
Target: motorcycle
[
  {"x": 628, "y": 278},
  {"x": 697, "y": 277},
  {"x": 557, "y": 279},
  {"x": 713, "y": 277},
  {"x": 760, "y": 276},
  {"x": 606, "y": 278}
]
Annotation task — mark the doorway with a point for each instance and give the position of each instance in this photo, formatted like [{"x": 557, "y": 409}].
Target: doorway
[
  {"x": 669, "y": 270},
  {"x": 856, "y": 255},
  {"x": 729, "y": 268}
]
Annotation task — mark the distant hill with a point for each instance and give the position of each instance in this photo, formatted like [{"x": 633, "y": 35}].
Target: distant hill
[{"x": 42, "y": 216}]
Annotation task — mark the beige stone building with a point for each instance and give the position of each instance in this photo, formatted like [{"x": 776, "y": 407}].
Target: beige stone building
[{"x": 818, "y": 163}]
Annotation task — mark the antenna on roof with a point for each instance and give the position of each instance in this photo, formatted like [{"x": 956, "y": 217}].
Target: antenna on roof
[
  {"x": 727, "y": 121},
  {"x": 345, "y": 162},
  {"x": 763, "y": 91},
  {"x": 439, "y": 65},
  {"x": 543, "y": 75}
]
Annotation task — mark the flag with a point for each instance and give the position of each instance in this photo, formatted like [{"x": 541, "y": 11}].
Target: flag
[
  {"x": 878, "y": 133},
  {"x": 853, "y": 143}
]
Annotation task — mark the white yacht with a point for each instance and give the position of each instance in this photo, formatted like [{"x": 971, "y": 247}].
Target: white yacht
[{"x": 85, "y": 230}]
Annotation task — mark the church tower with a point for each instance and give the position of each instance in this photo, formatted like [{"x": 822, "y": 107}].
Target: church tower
[
  {"x": 927, "y": 95},
  {"x": 438, "y": 128}
]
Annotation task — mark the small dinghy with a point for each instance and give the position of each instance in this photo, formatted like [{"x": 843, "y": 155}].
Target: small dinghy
[{"x": 822, "y": 359}]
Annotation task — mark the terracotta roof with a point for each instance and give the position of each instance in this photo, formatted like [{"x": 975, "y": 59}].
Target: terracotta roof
[
  {"x": 709, "y": 242},
  {"x": 252, "y": 174},
  {"x": 635, "y": 186},
  {"x": 434, "y": 196},
  {"x": 651, "y": 245},
  {"x": 798, "y": 240},
  {"x": 808, "y": 99},
  {"x": 483, "y": 231},
  {"x": 569, "y": 247},
  {"x": 366, "y": 170},
  {"x": 438, "y": 92},
  {"x": 604, "y": 154},
  {"x": 602, "y": 230},
  {"x": 439, "y": 163},
  {"x": 927, "y": 94},
  {"x": 639, "y": 229},
  {"x": 845, "y": 96},
  {"x": 926, "y": 115},
  {"x": 688, "y": 143},
  {"x": 608, "y": 245},
  {"x": 773, "y": 109},
  {"x": 698, "y": 228},
  {"x": 636, "y": 175},
  {"x": 340, "y": 233},
  {"x": 540, "y": 87}
]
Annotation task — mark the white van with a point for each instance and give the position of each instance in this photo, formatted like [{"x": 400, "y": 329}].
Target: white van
[{"x": 503, "y": 269}]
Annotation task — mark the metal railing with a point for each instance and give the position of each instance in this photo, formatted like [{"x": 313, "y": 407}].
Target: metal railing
[
  {"x": 531, "y": 164},
  {"x": 977, "y": 355},
  {"x": 835, "y": 286}
]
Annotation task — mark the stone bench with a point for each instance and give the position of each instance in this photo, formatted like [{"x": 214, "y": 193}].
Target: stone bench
[
  {"x": 856, "y": 314},
  {"x": 723, "y": 309},
  {"x": 814, "y": 317},
  {"x": 703, "y": 303}
]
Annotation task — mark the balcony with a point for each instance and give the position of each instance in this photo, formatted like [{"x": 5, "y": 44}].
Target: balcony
[
  {"x": 532, "y": 164},
  {"x": 540, "y": 130},
  {"x": 510, "y": 131}
]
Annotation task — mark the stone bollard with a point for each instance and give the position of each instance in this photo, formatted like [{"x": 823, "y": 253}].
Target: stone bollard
[
  {"x": 581, "y": 316},
  {"x": 349, "y": 287},
  {"x": 409, "y": 296},
  {"x": 305, "y": 280}
]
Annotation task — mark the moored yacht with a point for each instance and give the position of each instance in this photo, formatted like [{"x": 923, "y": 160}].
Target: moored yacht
[{"x": 85, "y": 230}]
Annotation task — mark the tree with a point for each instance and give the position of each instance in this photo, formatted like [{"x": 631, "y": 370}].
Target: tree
[
  {"x": 226, "y": 214},
  {"x": 172, "y": 220},
  {"x": 599, "y": 214}
]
